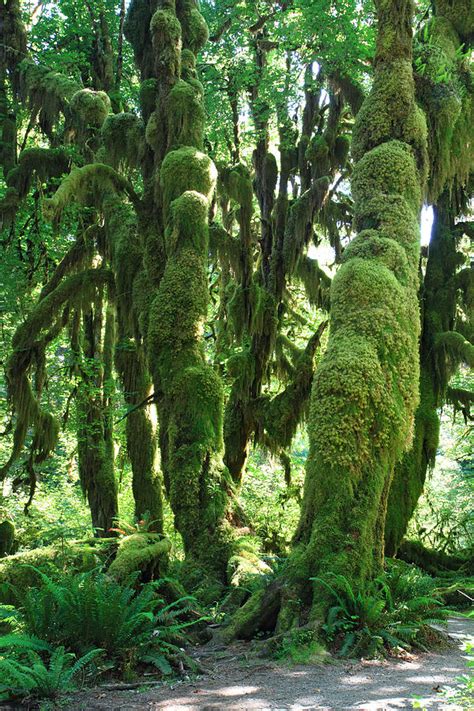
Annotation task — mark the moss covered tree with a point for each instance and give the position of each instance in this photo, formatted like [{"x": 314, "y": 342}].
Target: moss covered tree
[{"x": 365, "y": 390}]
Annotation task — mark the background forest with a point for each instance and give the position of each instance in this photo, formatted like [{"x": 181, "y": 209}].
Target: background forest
[{"x": 233, "y": 368}]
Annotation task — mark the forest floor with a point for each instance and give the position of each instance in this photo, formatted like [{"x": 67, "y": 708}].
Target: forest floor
[{"x": 236, "y": 680}]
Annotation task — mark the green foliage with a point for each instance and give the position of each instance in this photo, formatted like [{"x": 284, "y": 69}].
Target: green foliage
[
  {"x": 31, "y": 676},
  {"x": 91, "y": 610},
  {"x": 391, "y": 612}
]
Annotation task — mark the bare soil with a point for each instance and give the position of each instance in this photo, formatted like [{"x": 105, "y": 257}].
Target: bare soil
[{"x": 236, "y": 681}]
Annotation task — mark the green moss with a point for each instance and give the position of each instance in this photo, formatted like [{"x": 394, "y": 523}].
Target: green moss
[
  {"x": 459, "y": 13},
  {"x": 185, "y": 116},
  {"x": 47, "y": 92},
  {"x": 188, "y": 64},
  {"x": 387, "y": 169},
  {"x": 7, "y": 538},
  {"x": 124, "y": 140},
  {"x": 144, "y": 552},
  {"x": 90, "y": 108},
  {"x": 16, "y": 571},
  {"x": 236, "y": 182},
  {"x": 371, "y": 244},
  {"x": 390, "y": 113},
  {"x": 166, "y": 32},
  {"x": 44, "y": 163},
  {"x": 186, "y": 169},
  {"x": 317, "y": 150},
  {"x": 148, "y": 97},
  {"x": 87, "y": 186},
  {"x": 195, "y": 30},
  {"x": 342, "y": 146}
]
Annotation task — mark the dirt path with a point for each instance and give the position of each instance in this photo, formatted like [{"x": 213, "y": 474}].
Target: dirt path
[{"x": 235, "y": 684}]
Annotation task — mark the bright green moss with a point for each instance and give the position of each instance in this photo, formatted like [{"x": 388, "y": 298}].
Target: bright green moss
[
  {"x": 89, "y": 108},
  {"x": 371, "y": 244},
  {"x": 237, "y": 184},
  {"x": 387, "y": 169},
  {"x": 188, "y": 227},
  {"x": 186, "y": 169},
  {"x": 390, "y": 112},
  {"x": 123, "y": 137},
  {"x": 188, "y": 65},
  {"x": 185, "y": 116},
  {"x": 143, "y": 552},
  {"x": 89, "y": 185}
]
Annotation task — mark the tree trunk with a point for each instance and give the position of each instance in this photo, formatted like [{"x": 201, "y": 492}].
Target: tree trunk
[{"x": 365, "y": 390}]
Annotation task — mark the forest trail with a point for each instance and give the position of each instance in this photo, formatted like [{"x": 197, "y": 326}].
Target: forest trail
[{"x": 236, "y": 683}]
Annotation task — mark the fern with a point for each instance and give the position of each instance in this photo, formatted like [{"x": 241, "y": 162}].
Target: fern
[
  {"x": 29, "y": 676},
  {"x": 91, "y": 610},
  {"x": 394, "y": 611}
]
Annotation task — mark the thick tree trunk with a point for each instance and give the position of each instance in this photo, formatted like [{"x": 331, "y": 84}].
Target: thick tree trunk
[
  {"x": 189, "y": 392},
  {"x": 439, "y": 312},
  {"x": 365, "y": 390}
]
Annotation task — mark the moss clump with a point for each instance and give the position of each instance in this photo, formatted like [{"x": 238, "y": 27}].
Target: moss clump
[
  {"x": 87, "y": 186},
  {"x": 195, "y": 30},
  {"x": 185, "y": 116},
  {"x": 387, "y": 169},
  {"x": 166, "y": 33},
  {"x": 317, "y": 150},
  {"x": 144, "y": 552},
  {"x": 7, "y": 538},
  {"x": 188, "y": 65},
  {"x": 186, "y": 169},
  {"x": 16, "y": 571},
  {"x": 44, "y": 163},
  {"x": 390, "y": 112},
  {"x": 342, "y": 147},
  {"x": 89, "y": 108},
  {"x": 236, "y": 182},
  {"x": 124, "y": 140},
  {"x": 46, "y": 91},
  {"x": 371, "y": 244},
  {"x": 148, "y": 97}
]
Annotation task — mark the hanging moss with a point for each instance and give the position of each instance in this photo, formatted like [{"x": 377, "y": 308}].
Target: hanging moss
[
  {"x": 342, "y": 146},
  {"x": 185, "y": 116},
  {"x": 143, "y": 552},
  {"x": 87, "y": 186},
  {"x": 188, "y": 65},
  {"x": 317, "y": 150},
  {"x": 47, "y": 92},
  {"x": 45, "y": 163},
  {"x": 29, "y": 337},
  {"x": 123, "y": 137}
]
